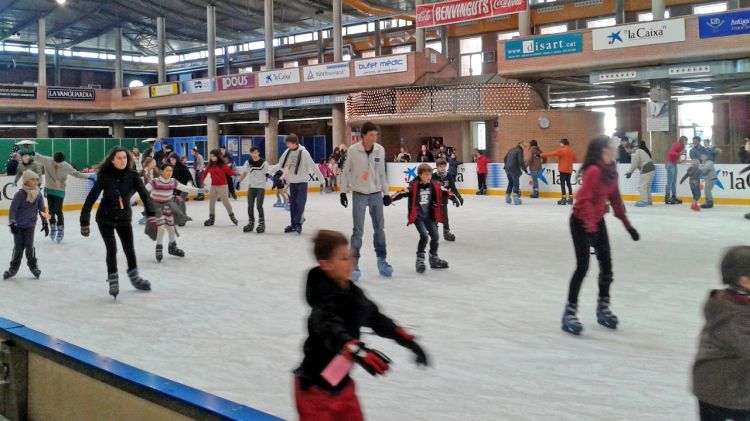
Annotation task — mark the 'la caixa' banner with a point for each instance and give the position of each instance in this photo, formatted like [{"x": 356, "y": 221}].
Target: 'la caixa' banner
[{"x": 724, "y": 24}]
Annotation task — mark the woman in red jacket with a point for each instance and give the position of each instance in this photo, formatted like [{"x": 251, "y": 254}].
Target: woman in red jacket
[
  {"x": 219, "y": 170},
  {"x": 588, "y": 230}
]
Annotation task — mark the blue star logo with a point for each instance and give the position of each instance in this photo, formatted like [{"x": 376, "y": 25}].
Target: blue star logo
[
  {"x": 411, "y": 173},
  {"x": 614, "y": 36},
  {"x": 542, "y": 177},
  {"x": 269, "y": 79},
  {"x": 718, "y": 180}
]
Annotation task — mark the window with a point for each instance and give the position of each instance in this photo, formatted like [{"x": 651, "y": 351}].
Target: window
[
  {"x": 303, "y": 37},
  {"x": 648, "y": 16},
  {"x": 504, "y": 36},
  {"x": 255, "y": 45},
  {"x": 246, "y": 69},
  {"x": 435, "y": 45},
  {"x": 355, "y": 29},
  {"x": 471, "y": 45},
  {"x": 347, "y": 57},
  {"x": 135, "y": 83},
  {"x": 610, "y": 119},
  {"x": 705, "y": 9},
  {"x": 401, "y": 49},
  {"x": 696, "y": 119},
  {"x": 368, "y": 54},
  {"x": 312, "y": 61},
  {"x": 601, "y": 23},
  {"x": 290, "y": 64},
  {"x": 478, "y": 135},
  {"x": 553, "y": 29},
  {"x": 471, "y": 56},
  {"x": 263, "y": 68}
]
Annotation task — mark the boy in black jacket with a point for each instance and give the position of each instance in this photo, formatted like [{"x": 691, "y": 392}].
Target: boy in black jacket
[
  {"x": 339, "y": 310},
  {"x": 443, "y": 177},
  {"x": 425, "y": 211}
]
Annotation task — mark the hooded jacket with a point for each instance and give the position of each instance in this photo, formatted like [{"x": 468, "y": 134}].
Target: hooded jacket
[
  {"x": 364, "y": 173},
  {"x": 721, "y": 373},
  {"x": 336, "y": 318}
]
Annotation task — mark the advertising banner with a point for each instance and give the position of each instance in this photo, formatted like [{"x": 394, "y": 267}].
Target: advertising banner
[
  {"x": 279, "y": 77},
  {"x": 326, "y": 71},
  {"x": 71, "y": 94},
  {"x": 724, "y": 24},
  {"x": 17, "y": 92},
  {"x": 639, "y": 34},
  {"x": 458, "y": 11},
  {"x": 658, "y": 116},
  {"x": 197, "y": 86},
  {"x": 550, "y": 45},
  {"x": 241, "y": 81},
  {"x": 380, "y": 65},
  {"x": 165, "y": 89}
]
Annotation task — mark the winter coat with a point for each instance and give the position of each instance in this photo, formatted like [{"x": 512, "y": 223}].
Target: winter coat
[
  {"x": 297, "y": 166},
  {"x": 23, "y": 213},
  {"x": 623, "y": 156},
  {"x": 116, "y": 187},
  {"x": 56, "y": 176},
  {"x": 182, "y": 174},
  {"x": 482, "y": 162},
  {"x": 696, "y": 152},
  {"x": 436, "y": 200},
  {"x": 446, "y": 181},
  {"x": 218, "y": 174},
  {"x": 721, "y": 373},
  {"x": 198, "y": 163},
  {"x": 673, "y": 156},
  {"x": 403, "y": 157},
  {"x": 642, "y": 162},
  {"x": 535, "y": 160},
  {"x": 257, "y": 173},
  {"x": 744, "y": 156},
  {"x": 32, "y": 165},
  {"x": 453, "y": 167},
  {"x": 425, "y": 157},
  {"x": 707, "y": 170},
  {"x": 599, "y": 187},
  {"x": 336, "y": 318},
  {"x": 566, "y": 157},
  {"x": 514, "y": 163},
  {"x": 365, "y": 173}
]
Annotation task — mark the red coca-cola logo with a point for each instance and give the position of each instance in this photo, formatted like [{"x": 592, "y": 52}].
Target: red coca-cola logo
[
  {"x": 504, "y": 4},
  {"x": 424, "y": 15}
]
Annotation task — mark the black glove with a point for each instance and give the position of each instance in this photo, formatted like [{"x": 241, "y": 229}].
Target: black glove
[
  {"x": 85, "y": 231},
  {"x": 406, "y": 340},
  {"x": 344, "y": 200},
  {"x": 45, "y": 228},
  {"x": 461, "y": 199},
  {"x": 13, "y": 228},
  {"x": 387, "y": 200},
  {"x": 372, "y": 360},
  {"x": 633, "y": 233},
  {"x": 455, "y": 201},
  {"x": 237, "y": 186},
  {"x": 278, "y": 173},
  {"x": 628, "y": 175}
]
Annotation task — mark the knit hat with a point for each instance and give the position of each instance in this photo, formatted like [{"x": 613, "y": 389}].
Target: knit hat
[{"x": 30, "y": 193}]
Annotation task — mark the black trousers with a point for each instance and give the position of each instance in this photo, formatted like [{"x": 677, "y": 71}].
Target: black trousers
[
  {"x": 23, "y": 240},
  {"x": 55, "y": 205},
  {"x": 565, "y": 180},
  {"x": 582, "y": 243},
  {"x": 255, "y": 197},
  {"x": 709, "y": 412},
  {"x": 446, "y": 223},
  {"x": 482, "y": 181},
  {"x": 125, "y": 232},
  {"x": 427, "y": 227},
  {"x": 230, "y": 184}
]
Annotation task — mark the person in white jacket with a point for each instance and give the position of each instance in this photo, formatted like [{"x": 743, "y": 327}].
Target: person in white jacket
[
  {"x": 364, "y": 174},
  {"x": 297, "y": 167}
]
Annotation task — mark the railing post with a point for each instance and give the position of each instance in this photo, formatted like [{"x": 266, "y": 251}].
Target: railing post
[{"x": 14, "y": 381}]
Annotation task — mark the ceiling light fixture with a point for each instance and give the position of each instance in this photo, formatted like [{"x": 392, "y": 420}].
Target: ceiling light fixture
[{"x": 61, "y": 2}]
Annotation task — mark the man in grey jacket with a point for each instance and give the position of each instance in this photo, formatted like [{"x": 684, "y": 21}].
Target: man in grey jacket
[
  {"x": 27, "y": 163},
  {"x": 364, "y": 174}
]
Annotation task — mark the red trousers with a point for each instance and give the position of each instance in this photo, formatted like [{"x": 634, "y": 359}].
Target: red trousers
[{"x": 315, "y": 404}]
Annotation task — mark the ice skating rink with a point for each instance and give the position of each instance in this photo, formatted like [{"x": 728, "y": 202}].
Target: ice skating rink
[{"x": 230, "y": 317}]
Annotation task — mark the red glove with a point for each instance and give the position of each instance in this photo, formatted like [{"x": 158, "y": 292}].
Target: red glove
[
  {"x": 372, "y": 360},
  {"x": 406, "y": 340}
]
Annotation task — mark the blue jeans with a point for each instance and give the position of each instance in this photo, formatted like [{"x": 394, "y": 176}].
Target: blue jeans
[
  {"x": 671, "y": 190},
  {"x": 535, "y": 178},
  {"x": 427, "y": 227},
  {"x": 514, "y": 183},
  {"x": 360, "y": 202},
  {"x": 297, "y": 202}
]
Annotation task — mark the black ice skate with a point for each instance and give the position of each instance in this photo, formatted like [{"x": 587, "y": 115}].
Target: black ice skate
[
  {"x": 159, "y": 252},
  {"x": 604, "y": 315},
  {"x": 10, "y": 273},
  {"x": 15, "y": 263},
  {"x": 114, "y": 285},
  {"x": 261, "y": 226},
  {"x": 290, "y": 229},
  {"x": 570, "y": 322},
  {"x": 437, "y": 263},
  {"x": 233, "y": 219},
  {"x": 250, "y": 225},
  {"x": 210, "y": 221},
  {"x": 420, "y": 263},
  {"x": 33, "y": 267},
  {"x": 174, "y": 250},
  {"x": 570, "y": 200},
  {"x": 138, "y": 282},
  {"x": 562, "y": 201},
  {"x": 448, "y": 235}
]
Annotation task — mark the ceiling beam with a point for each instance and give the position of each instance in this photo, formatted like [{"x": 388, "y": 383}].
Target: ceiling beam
[
  {"x": 25, "y": 24},
  {"x": 8, "y": 6},
  {"x": 83, "y": 15}
]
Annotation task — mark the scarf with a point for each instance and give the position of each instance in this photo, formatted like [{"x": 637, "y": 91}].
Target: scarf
[{"x": 30, "y": 193}]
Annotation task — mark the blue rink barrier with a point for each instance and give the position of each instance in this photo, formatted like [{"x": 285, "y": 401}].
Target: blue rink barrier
[{"x": 25, "y": 351}]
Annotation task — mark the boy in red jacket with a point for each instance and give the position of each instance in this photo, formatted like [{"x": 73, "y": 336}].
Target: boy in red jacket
[
  {"x": 425, "y": 212},
  {"x": 482, "y": 162},
  {"x": 323, "y": 389}
]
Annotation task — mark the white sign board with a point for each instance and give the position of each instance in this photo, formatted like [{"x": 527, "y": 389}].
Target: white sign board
[
  {"x": 279, "y": 77},
  {"x": 380, "y": 65},
  {"x": 326, "y": 71},
  {"x": 644, "y": 33},
  {"x": 658, "y": 116}
]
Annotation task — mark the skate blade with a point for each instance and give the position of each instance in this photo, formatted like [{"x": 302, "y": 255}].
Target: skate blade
[
  {"x": 604, "y": 323},
  {"x": 576, "y": 332}
]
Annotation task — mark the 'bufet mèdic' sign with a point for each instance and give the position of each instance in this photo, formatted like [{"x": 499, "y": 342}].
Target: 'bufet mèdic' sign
[
  {"x": 380, "y": 65},
  {"x": 241, "y": 81},
  {"x": 71, "y": 94},
  {"x": 457, "y": 11}
]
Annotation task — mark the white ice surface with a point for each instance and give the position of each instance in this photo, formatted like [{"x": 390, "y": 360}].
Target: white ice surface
[{"x": 230, "y": 317}]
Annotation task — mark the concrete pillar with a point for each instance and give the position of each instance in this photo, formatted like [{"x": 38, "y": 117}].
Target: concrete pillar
[
  {"x": 213, "y": 131},
  {"x": 161, "y": 43},
  {"x": 42, "y": 56},
  {"x": 162, "y": 127},
  {"x": 268, "y": 34},
  {"x": 378, "y": 40},
  {"x": 42, "y": 125},
  {"x": 339, "y": 125},
  {"x": 657, "y": 9},
  {"x": 733, "y": 4},
  {"x": 118, "y": 129},
  {"x": 619, "y": 12},
  {"x": 211, "y": 38},
  {"x": 56, "y": 60},
  {"x": 272, "y": 135},
  {"x": 466, "y": 141},
  {"x": 524, "y": 23},
  {"x": 419, "y": 33},
  {"x": 321, "y": 47},
  {"x": 227, "y": 63},
  {"x": 662, "y": 141},
  {"x": 444, "y": 39},
  {"x": 622, "y": 109},
  {"x": 338, "y": 40},
  {"x": 118, "y": 57}
]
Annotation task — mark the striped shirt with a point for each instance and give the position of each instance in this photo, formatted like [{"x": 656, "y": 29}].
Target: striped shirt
[{"x": 162, "y": 190}]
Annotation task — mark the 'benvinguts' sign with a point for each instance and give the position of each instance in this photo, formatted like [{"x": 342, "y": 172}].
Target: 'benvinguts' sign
[{"x": 457, "y": 11}]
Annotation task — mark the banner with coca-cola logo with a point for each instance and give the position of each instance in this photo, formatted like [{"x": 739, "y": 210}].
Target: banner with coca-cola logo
[
  {"x": 458, "y": 11},
  {"x": 241, "y": 81}
]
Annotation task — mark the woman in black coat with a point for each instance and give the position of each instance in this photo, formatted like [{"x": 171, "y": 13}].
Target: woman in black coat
[{"x": 116, "y": 181}]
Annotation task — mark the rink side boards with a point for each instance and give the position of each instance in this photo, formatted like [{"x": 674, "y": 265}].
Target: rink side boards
[
  {"x": 733, "y": 187},
  {"x": 52, "y": 379}
]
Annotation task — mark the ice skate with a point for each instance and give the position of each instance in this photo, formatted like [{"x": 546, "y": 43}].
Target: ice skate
[
  {"x": 570, "y": 322},
  {"x": 10, "y": 273},
  {"x": 35, "y": 271},
  {"x": 249, "y": 227},
  {"x": 159, "y": 252},
  {"x": 290, "y": 229},
  {"x": 516, "y": 199},
  {"x": 448, "y": 235},
  {"x": 694, "y": 206},
  {"x": 604, "y": 315},
  {"x": 677, "y": 201},
  {"x": 640, "y": 204},
  {"x": 52, "y": 231},
  {"x": 420, "y": 263},
  {"x": 210, "y": 221},
  {"x": 384, "y": 268},
  {"x": 138, "y": 282},
  {"x": 261, "y": 226},
  {"x": 708, "y": 205},
  {"x": 60, "y": 233},
  {"x": 33, "y": 266},
  {"x": 535, "y": 194},
  {"x": 114, "y": 285},
  {"x": 562, "y": 201},
  {"x": 356, "y": 273},
  {"x": 437, "y": 263},
  {"x": 508, "y": 200},
  {"x": 233, "y": 219},
  {"x": 173, "y": 250},
  {"x": 570, "y": 200}
]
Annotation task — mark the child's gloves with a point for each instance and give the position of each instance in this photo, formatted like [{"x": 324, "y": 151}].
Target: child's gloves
[
  {"x": 387, "y": 200},
  {"x": 633, "y": 233},
  {"x": 344, "y": 200},
  {"x": 406, "y": 340},
  {"x": 628, "y": 175},
  {"x": 237, "y": 185},
  {"x": 455, "y": 201},
  {"x": 13, "y": 228},
  {"x": 85, "y": 231},
  {"x": 372, "y": 360},
  {"x": 461, "y": 199},
  {"x": 45, "y": 228}
]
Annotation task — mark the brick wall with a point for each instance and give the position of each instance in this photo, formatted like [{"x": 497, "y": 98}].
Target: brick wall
[{"x": 390, "y": 136}]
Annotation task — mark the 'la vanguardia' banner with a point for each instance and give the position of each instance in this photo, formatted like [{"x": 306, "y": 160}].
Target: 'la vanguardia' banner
[
  {"x": 17, "y": 92},
  {"x": 724, "y": 24},
  {"x": 71, "y": 94},
  {"x": 457, "y": 11}
]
